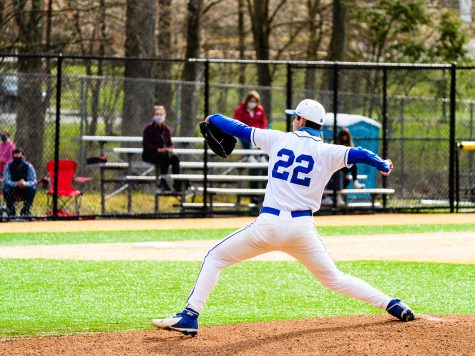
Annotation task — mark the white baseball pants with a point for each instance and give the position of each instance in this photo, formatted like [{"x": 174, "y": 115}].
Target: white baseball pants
[{"x": 294, "y": 236}]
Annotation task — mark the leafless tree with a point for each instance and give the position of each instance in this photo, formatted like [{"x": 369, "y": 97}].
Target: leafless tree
[
  {"x": 261, "y": 23},
  {"x": 339, "y": 39},
  {"x": 315, "y": 35},
  {"x": 29, "y": 17},
  {"x": 163, "y": 89},
  {"x": 190, "y": 69},
  {"x": 140, "y": 42},
  {"x": 242, "y": 44}
]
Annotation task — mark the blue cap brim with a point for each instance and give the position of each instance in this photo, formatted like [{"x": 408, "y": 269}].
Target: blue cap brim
[{"x": 290, "y": 112}]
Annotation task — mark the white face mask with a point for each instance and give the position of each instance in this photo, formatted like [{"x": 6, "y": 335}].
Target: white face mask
[
  {"x": 251, "y": 105},
  {"x": 159, "y": 119}
]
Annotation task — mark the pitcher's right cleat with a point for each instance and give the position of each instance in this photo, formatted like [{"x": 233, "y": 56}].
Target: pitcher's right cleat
[
  {"x": 400, "y": 310},
  {"x": 185, "y": 322}
]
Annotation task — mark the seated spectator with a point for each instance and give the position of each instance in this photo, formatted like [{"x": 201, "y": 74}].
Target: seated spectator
[
  {"x": 6, "y": 150},
  {"x": 250, "y": 112},
  {"x": 342, "y": 178},
  {"x": 345, "y": 139},
  {"x": 158, "y": 148},
  {"x": 19, "y": 184}
]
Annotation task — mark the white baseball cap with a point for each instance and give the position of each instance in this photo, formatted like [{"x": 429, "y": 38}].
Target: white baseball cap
[{"x": 309, "y": 109}]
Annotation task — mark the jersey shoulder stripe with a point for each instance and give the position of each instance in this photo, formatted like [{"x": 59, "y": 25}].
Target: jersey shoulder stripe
[{"x": 316, "y": 139}]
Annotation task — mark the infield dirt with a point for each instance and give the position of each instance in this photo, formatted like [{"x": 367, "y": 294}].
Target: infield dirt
[
  {"x": 452, "y": 247},
  {"x": 358, "y": 335}
]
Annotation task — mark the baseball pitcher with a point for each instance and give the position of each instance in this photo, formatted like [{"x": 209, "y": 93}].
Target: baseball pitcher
[{"x": 300, "y": 166}]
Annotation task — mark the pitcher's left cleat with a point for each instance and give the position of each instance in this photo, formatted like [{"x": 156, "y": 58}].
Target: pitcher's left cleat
[
  {"x": 185, "y": 322},
  {"x": 400, "y": 310}
]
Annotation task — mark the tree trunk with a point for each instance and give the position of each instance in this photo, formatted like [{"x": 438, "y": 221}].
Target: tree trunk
[
  {"x": 259, "y": 13},
  {"x": 242, "y": 46},
  {"x": 97, "y": 83},
  {"x": 139, "y": 42},
  {"x": 337, "y": 49},
  {"x": 338, "y": 43},
  {"x": 163, "y": 90},
  {"x": 30, "y": 120},
  {"x": 190, "y": 69},
  {"x": 314, "y": 36}
]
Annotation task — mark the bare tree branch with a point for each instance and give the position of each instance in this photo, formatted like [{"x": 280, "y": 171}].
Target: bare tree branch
[
  {"x": 274, "y": 13},
  {"x": 210, "y": 5}
]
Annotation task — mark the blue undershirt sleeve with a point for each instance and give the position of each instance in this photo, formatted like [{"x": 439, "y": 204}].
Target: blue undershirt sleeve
[
  {"x": 362, "y": 155},
  {"x": 231, "y": 126}
]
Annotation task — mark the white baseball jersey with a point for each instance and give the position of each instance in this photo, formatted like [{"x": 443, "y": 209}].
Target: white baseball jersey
[{"x": 300, "y": 166}]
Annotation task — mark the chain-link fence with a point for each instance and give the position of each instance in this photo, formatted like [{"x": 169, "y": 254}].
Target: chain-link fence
[{"x": 80, "y": 122}]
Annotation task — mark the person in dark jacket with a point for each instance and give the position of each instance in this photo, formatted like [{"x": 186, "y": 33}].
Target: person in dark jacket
[
  {"x": 341, "y": 179},
  {"x": 19, "y": 182},
  {"x": 158, "y": 147},
  {"x": 345, "y": 139}
]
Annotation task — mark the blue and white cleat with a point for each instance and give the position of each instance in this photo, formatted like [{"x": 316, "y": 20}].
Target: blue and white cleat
[
  {"x": 400, "y": 310},
  {"x": 185, "y": 322}
]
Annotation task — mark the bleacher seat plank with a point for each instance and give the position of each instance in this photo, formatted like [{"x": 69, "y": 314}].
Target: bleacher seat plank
[
  {"x": 198, "y": 177},
  {"x": 232, "y": 191},
  {"x": 186, "y": 151},
  {"x": 134, "y": 139}
]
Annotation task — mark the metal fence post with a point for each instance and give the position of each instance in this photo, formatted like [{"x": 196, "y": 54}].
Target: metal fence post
[
  {"x": 402, "y": 168},
  {"x": 385, "y": 127},
  {"x": 457, "y": 180},
  {"x": 335, "y": 123},
  {"x": 205, "y": 153},
  {"x": 289, "y": 95},
  {"x": 453, "y": 87},
  {"x": 470, "y": 157},
  {"x": 59, "y": 73},
  {"x": 82, "y": 124}
]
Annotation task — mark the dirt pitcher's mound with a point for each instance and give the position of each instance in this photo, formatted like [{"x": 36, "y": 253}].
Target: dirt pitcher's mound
[{"x": 359, "y": 335}]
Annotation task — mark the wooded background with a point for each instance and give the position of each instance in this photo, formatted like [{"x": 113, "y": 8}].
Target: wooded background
[
  {"x": 375, "y": 30},
  {"x": 114, "y": 71},
  {"x": 414, "y": 31}
]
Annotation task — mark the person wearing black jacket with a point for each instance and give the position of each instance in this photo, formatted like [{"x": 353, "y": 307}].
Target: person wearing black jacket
[
  {"x": 158, "y": 147},
  {"x": 19, "y": 182}
]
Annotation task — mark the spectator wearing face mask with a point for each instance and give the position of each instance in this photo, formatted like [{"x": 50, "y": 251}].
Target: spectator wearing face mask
[
  {"x": 6, "y": 150},
  {"x": 341, "y": 179},
  {"x": 158, "y": 147},
  {"x": 19, "y": 183},
  {"x": 251, "y": 113}
]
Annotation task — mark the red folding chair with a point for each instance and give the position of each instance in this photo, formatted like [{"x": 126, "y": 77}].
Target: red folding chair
[{"x": 67, "y": 195}]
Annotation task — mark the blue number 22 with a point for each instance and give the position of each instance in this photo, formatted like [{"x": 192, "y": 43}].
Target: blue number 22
[{"x": 287, "y": 161}]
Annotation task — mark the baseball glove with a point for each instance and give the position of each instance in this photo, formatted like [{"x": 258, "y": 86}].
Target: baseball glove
[{"x": 218, "y": 141}]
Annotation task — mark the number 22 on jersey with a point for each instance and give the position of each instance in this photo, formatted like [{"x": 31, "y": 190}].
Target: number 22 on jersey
[{"x": 299, "y": 172}]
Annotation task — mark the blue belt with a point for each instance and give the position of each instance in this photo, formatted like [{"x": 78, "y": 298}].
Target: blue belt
[{"x": 295, "y": 214}]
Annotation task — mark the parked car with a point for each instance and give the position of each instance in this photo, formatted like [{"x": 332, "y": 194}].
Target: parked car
[{"x": 9, "y": 92}]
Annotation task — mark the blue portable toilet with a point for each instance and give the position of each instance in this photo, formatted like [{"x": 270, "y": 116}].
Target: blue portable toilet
[{"x": 365, "y": 132}]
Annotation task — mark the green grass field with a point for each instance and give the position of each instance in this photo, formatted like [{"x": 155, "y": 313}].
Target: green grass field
[
  {"x": 41, "y": 297},
  {"x": 58, "y": 297},
  {"x": 55, "y": 238}
]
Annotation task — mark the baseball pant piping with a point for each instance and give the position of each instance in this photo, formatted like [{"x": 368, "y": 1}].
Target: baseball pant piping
[{"x": 294, "y": 236}]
